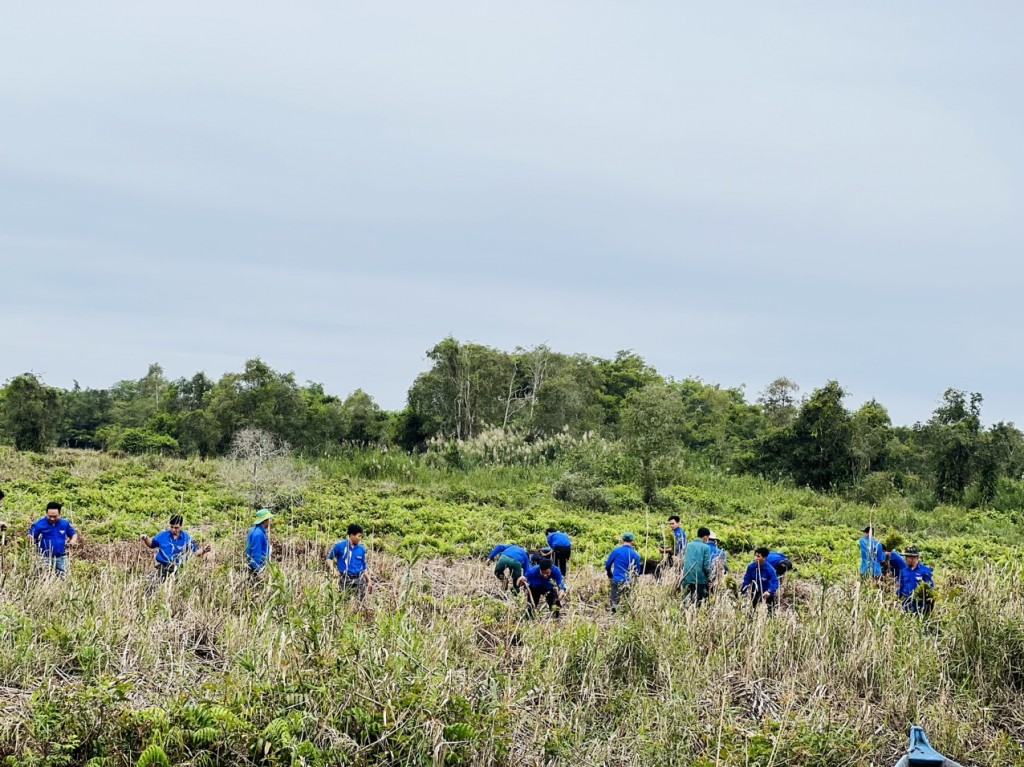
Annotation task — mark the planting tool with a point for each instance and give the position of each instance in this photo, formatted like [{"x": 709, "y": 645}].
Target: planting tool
[{"x": 921, "y": 753}]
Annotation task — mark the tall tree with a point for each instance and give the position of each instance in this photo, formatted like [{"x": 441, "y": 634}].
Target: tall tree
[
  {"x": 30, "y": 413},
  {"x": 652, "y": 423},
  {"x": 821, "y": 437}
]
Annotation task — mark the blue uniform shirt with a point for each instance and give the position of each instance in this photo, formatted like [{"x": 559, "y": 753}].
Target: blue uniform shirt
[
  {"x": 898, "y": 564},
  {"x": 679, "y": 535},
  {"x": 257, "y": 548},
  {"x": 762, "y": 577},
  {"x": 52, "y": 540},
  {"x": 910, "y": 579},
  {"x": 774, "y": 557},
  {"x": 871, "y": 555},
  {"x": 518, "y": 553},
  {"x": 717, "y": 553},
  {"x": 351, "y": 560},
  {"x": 538, "y": 582},
  {"x": 559, "y": 539},
  {"x": 623, "y": 561},
  {"x": 171, "y": 551}
]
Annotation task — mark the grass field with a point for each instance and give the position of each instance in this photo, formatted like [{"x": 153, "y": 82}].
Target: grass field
[{"x": 441, "y": 667}]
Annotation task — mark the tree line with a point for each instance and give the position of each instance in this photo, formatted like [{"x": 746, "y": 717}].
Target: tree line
[{"x": 534, "y": 394}]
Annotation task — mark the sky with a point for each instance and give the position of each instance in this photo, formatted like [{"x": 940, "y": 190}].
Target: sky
[{"x": 735, "y": 191}]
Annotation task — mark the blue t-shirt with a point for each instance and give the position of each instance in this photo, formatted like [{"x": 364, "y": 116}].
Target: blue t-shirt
[
  {"x": 717, "y": 553},
  {"x": 559, "y": 539},
  {"x": 871, "y": 555},
  {"x": 171, "y": 551},
  {"x": 538, "y": 582},
  {"x": 762, "y": 577},
  {"x": 679, "y": 536},
  {"x": 518, "y": 553},
  {"x": 623, "y": 562},
  {"x": 351, "y": 560},
  {"x": 910, "y": 579},
  {"x": 257, "y": 548},
  {"x": 52, "y": 540},
  {"x": 774, "y": 557}
]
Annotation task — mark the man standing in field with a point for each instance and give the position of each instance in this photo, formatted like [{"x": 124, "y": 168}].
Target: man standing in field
[
  {"x": 697, "y": 568},
  {"x": 916, "y": 584},
  {"x": 719, "y": 560},
  {"x": 561, "y": 548},
  {"x": 678, "y": 537},
  {"x": 622, "y": 566},
  {"x": 543, "y": 580},
  {"x": 511, "y": 559},
  {"x": 761, "y": 580},
  {"x": 350, "y": 557},
  {"x": 174, "y": 546},
  {"x": 52, "y": 536},
  {"x": 871, "y": 554},
  {"x": 257, "y": 545}
]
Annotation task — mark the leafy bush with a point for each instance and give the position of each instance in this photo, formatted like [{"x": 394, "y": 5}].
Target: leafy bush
[{"x": 582, "y": 490}]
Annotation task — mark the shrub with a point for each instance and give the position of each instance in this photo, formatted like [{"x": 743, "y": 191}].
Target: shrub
[{"x": 582, "y": 490}]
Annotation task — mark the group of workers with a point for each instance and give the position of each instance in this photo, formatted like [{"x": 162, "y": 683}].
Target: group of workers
[{"x": 700, "y": 564}]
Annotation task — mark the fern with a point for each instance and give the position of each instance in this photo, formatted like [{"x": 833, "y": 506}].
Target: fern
[{"x": 153, "y": 756}]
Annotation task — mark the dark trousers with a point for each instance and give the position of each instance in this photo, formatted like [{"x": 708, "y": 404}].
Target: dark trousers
[
  {"x": 783, "y": 567},
  {"x": 769, "y": 599},
  {"x": 619, "y": 590},
  {"x": 561, "y": 556},
  {"x": 535, "y": 595},
  {"x": 353, "y": 583},
  {"x": 697, "y": 593},
  {"x": 165, "y": 571}
]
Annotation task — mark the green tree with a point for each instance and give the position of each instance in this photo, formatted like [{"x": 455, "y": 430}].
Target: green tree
[
  {"x": 362, "y": 419},
  {"x": 870, "y": 439},
  {"x": 779, "y": 402},
  {"x": 652, "y": 421},
  {"x": 955, "y": 429},
  {"x": 619, "y": 377},
  {"x": 30, "y": 413},
  {"x": 83, "y": 413},
  {"x": 821, "y": 440}
]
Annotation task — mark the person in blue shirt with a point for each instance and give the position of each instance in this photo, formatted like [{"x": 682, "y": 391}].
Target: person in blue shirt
[
  {"x": 174, "y": 546},
  {"x": 871, "y": 554},
  {"x": 719, "y": 560},
  {"x": 257, "y": 545},
  {"x": 780, "y": 562},
  {"x": 511, "y": 559},
  {"x": 761, "y": 580},
  {"x": 543, "y": 580},
  {"x": 561, "y": 549},
  {"x": 893, "y": 564},
  {"x": 678, "y": 537},
  {"x": 52, "y": 536},
  {"x": 350, "y": 557},
  {"x": 622, "y": 565},
  {"x": 916, "y": 584}
]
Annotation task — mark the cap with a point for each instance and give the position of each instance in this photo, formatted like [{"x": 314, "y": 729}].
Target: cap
[
  {"x": 263, "y": 514},
  {"x": 628, "y": 537},
  {"x": 912, "y": 551},
  {"x": 713, "y": 536}
]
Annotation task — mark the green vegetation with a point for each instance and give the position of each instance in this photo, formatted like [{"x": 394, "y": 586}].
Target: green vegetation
[{"x": 441, "y": 668}]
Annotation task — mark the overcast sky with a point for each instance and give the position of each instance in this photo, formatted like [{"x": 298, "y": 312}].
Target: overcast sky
[{"x": 736, "y": 191}]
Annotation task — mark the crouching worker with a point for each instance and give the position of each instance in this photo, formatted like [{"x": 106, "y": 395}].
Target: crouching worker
[
  {"x": 511, "y": 559},
  {"x": 916, "y": 584},
  {"x": 350, "y": 557},
  {"x": 780, "y": 563},
  {"x": 761, "y": 580},
  {"x": 622, "y": 565},
  {"x": 174, "y": 546},
  {"x": 543, "y": 580}
]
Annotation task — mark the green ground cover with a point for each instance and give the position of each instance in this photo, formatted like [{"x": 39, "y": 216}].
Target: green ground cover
[{"x": 441, "y": 668}]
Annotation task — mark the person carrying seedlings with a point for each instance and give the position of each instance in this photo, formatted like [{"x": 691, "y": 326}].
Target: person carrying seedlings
[
  {"x": 892, "y": 564},
  {"x": 52, "y": 536},
  {"x": 871, "y": 554},
  {"x": 543, "y": 580},
  {"x": 511, "y": 559},
  {"x": 780, "y": 562},
  {"x": 174, "y": 546},
  {"x": 350, "y": 557},
  {"x": 561, "y": 549},
  {"x": 697, "y": 568},
  {"x": 257, "y": 545},
  {"x": 761, "y": 580},
  {"x": 622, "y": 566},
  {"x": 916, "y": 584},
  {"x": 719, "y": 559},
  {"x": 678, "y": 537}
]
